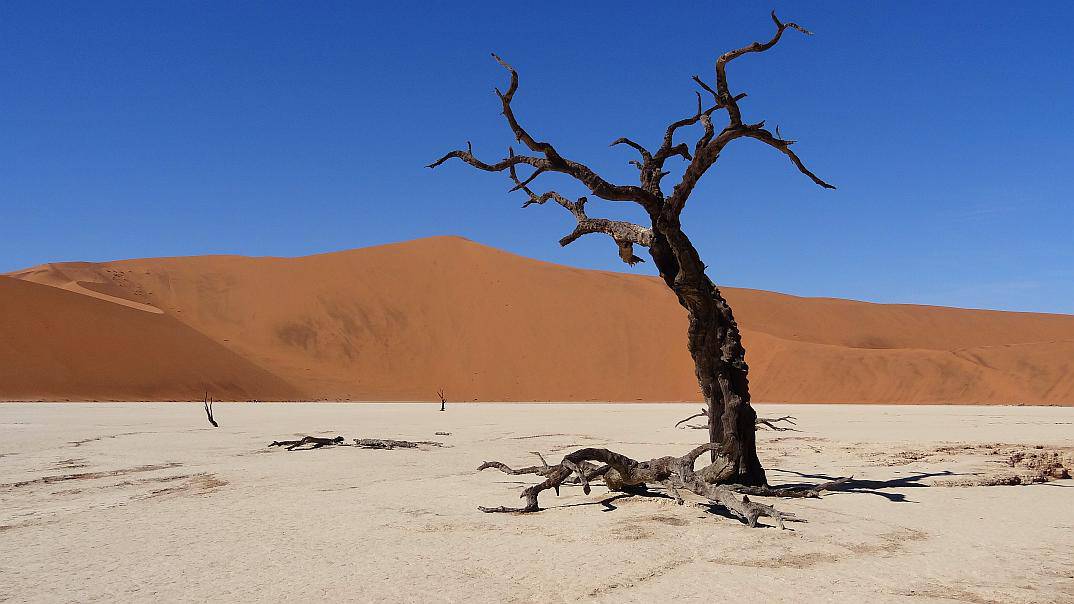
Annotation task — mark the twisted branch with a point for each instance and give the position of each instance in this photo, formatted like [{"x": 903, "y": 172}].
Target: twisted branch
[
  {"x": 784, "y": 146},
  {"x": 468, "y": 157},
  {"x": 706, "y": 151},
  {"x": 723, "y": 93},
  {"x": 308, "y": 442},
  {"x": 625, "y": 234},
  {"x": 552, "y": 160},
  {"x": 645, "y": 155},
  {"x": 709, "y": 146}
]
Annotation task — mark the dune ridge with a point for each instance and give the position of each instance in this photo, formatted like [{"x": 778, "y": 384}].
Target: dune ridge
[{"x": 399, "y": 321}]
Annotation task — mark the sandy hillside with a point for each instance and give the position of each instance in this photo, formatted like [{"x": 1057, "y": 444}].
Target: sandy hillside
[
  {"x": 400, "y": 321},
  {"x": 147, "y": 503},
  {"x": 54, "y": 344}
]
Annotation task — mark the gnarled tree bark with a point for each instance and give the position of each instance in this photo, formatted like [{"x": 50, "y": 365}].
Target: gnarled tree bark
[{"x": 713, "y": 336}]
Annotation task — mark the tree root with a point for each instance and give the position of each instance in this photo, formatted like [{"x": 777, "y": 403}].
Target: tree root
[{"x": 620, "y": 473}]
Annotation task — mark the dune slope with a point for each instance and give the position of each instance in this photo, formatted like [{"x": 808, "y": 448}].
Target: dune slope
[
  {"x": 60, "y": 345},
  {"x": 397, "y": 322}
]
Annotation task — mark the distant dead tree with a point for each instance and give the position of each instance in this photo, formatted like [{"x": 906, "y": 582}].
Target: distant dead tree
[
  {"x": 207, "y": 403},
  {"x": 771, "y": 423},
  {"x": 443, "y": 401},
  {"x": 713, "y": 337}
]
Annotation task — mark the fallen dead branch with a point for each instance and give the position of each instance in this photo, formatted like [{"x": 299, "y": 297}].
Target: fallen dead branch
[
  {"x": 387, "y": 443},
  {"x": 308, "y": 442},
  {"x": 315, "y": 442}
]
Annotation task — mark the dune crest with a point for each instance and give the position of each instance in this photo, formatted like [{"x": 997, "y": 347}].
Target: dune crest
[
  {"x": 399, "y": 321},
  {"x": 87, "y": 279}
]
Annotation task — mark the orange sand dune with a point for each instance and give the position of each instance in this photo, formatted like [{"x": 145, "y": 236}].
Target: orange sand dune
[
  {"x": 59, "y": 345},
  {"x": 397, "y": 322}
]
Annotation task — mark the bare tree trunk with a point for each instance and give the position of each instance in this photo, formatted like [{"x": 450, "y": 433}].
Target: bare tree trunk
[
  {"x": 715, "y": 345},
  {"x": 713, "y": 339}
]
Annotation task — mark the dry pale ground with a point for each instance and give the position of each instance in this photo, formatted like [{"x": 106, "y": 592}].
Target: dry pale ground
[{"x": 146, "y": 502}]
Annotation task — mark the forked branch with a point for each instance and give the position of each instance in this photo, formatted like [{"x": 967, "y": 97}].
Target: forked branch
[
  {"x": 784, "y": 146},
  {"x": 711, "y": 144},
  {"x": 625, "y": 234},
  {"x": 552, "y": 161},
  {"x": 706, "y": 150},
  {"x": 723, "y": 93}
]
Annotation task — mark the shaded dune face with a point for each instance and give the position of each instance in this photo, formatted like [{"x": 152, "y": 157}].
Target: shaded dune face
[
  {"x": 59, "y": 344},
  {"x": 398, "y": 322}
]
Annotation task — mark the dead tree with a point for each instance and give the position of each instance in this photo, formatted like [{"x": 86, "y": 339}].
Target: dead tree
[
  {"x": 771, "y": 423},
  {"x": 207, "y": 403},
  {"x": 713, "y": 337},
  {"x": 443, "y": 401}
]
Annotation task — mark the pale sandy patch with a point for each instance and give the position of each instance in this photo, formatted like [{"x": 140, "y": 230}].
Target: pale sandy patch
[{"x": 146, "y": 502}]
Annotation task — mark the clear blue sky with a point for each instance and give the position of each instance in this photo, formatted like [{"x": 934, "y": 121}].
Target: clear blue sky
[{"x": 180, "y": 128}]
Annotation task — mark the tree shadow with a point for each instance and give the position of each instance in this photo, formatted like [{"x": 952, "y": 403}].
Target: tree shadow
[
  {"x": 609, "y": 502},
  {"x": 870, "y": 487},
  {"x": 718, "y": 510}
]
